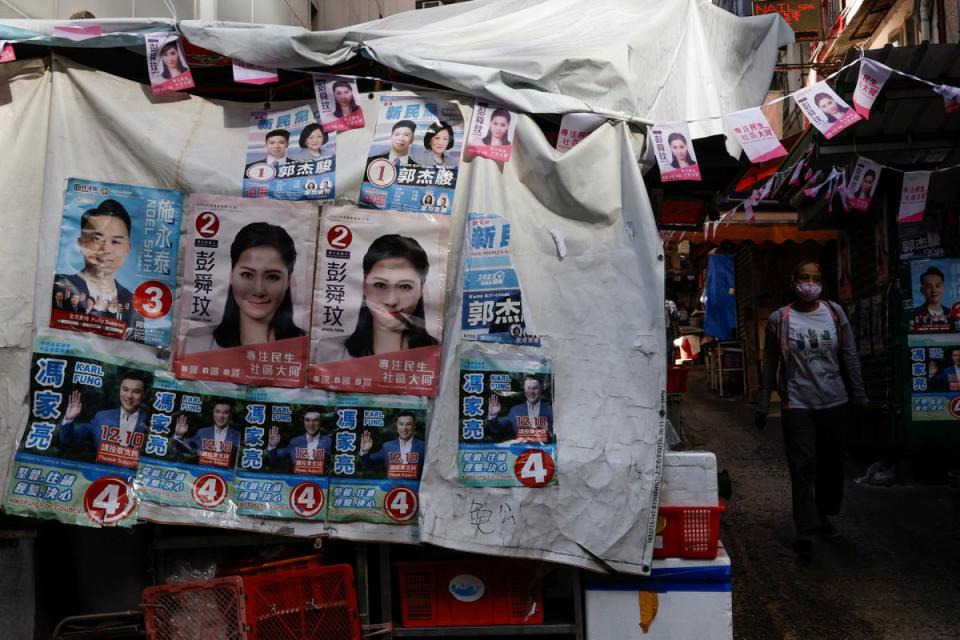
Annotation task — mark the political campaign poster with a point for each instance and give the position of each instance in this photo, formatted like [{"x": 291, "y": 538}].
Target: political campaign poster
[
  {"x": 493, "y": 300},
  {"x": 863, "y": 184},
  {"x": 338, "y": 102},
  {"x": 575, "y": 127},
  {"x": 245, "y": 307},
  {"x": 873, "y": 76},
  {"x": 414, "y": 160},
  {"x": 951, "y": 97},
  {"x": 935, "y": 377},
  {"x": 7, "y": 54},
  {"x": 913, "y": 196},
  {"x": 192, "y": 444},
  {"x": 244, "y": 73},
  {"x": 507, "y": 436},
  {"x": 88, "y": 416},
  {"x": 379, "y": 448},
  {"x": 289, "y": 156},
  {"x": 673, "y": 148},
  {"x": 492, "y": 131},
  {"x": 117, "y": 261},
  {"x": 755, "y": 135},
  {"x": 286, "y": 453},
  {"x": 825, "y": 109},
  {"x": 935, "y": 288},
  {"x": 166, "y": 63},
  {"x": 378, "y": 301}
]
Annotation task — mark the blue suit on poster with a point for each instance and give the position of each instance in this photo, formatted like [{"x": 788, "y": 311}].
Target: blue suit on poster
[
  {"x": 72, "y": 435},
  {"x": 518, "y": 413},
  {"x": 390, "y": 454},
  {"x": 288, "y": 454},
  {"x": 209, "y": 434}
]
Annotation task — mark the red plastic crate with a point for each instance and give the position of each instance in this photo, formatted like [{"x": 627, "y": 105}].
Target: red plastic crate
[
  {"x": 677, "y": 379},
  {"x": 319, "y": 603},
  {"x": 195, "y": 610},
  {"x": 290, "y": 564},
  {"x": 688, "y": 532},
  {"x": 468, "y": 593}
]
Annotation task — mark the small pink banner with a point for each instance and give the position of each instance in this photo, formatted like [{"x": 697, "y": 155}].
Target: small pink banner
[
  {"x": 673, "y": 149},
  {"x": 77, "y": 33},
  {"x": 825, "y": 109},
  {"x": 755, "y": 135},
  {"x": 913, "y": 196},
  {"x": 873, "y": 76},
  {"x": 6, "y": 52},
  {"x": 252, "y": 74},
  {"x": 491, "y": 132}
]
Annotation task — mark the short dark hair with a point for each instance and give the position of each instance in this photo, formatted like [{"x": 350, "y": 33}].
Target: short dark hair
[
  {"x": 796, "y": 268},
  {"x": 932, "y": 271},
  {"x": 110, "y": 208},
  {"x": 226, "y": 402},
  {"x": 436, "y": 128},
  {"x": 409, "y": 124},
  {"x": 277, "y": 132},
  {"x": 308, "y": 131},
  {"x": 871, "y": 173},
  {"x": 133, "y": 374},
  {"x": 405, "y": 413},
  {"x": 534, "y": 378}
]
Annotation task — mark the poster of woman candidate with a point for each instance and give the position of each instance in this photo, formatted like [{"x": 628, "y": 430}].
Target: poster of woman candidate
[
  {"x": 289, "y": 156},
  {"x": 287, "y": 450},
  {"x": 673, "y": 148},
  {"x": 117, "y": 262},
  {"x": 493, "y": 300},
  {"x": 379, "y": 447},
  {"x": 192, "y": 444},
  {"x": 87, "y": 424},
  {"x": 413, "y": 162},
  {"x": 166, "y": 64},
  {"x": 506, "y": 424},
  {"x": 378, "y": 301},
  {"x": 491, "y": 133},
  {"x": 337, "y": 100},
  {"x": 245, "y": 308},
  {"x": 825, "y": 109},
  {"x": 936, "y": 296}
]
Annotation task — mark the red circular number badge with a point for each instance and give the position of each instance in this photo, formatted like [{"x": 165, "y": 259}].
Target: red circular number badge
[
  {"x": 400, "y": 504},
  {"x": 261, "y": 172},
  {"x": 108, "y": 500},
  {"x": 339, "y": 237},
  {"x": 955, "y": 311},
  {"x": 208, "y": 224},
  {"x": 955, "y": 407},
  {"x": 306, "y": 499},
  {"x": 209, "y": 490},
  {"x": 381, "y": 173},
  {"x": 534, "y": 468},
  {"x": 152, "y": 299}
]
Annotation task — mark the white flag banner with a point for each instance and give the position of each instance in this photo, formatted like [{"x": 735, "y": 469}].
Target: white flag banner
[
  {"x": 873, "y": 76},
  {"x": 755, "y": 135},
  {"x": 574, "y": 127},
  {"x": 253, "y": 74},
  {"x": 673, "y": 148},
  {"x": 951, "y": 97},
  {"x": 863, "y": 184},
  {"x": 825, "y": 109},
  {"x": 913, "y": 196}
]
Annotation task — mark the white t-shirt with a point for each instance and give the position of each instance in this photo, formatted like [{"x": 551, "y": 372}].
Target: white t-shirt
[{"x": 815, "y": 381}]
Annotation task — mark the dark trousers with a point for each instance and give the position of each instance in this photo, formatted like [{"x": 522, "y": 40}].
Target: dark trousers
[{"x": 813, "y": 440}]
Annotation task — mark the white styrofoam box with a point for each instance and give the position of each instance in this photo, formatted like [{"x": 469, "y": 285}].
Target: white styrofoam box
[
  {"x": 689, "y": 479},
  {"x": 693, "y": 600}
]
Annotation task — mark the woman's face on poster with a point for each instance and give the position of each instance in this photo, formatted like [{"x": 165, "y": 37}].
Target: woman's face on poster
[
  {"x": 498, "y": 127},
  {"x": 343, "y": 96},
  {"x": 439, "y": 142},
  {"x": 932, "y": 288},
  {"x": 171, "y": 58},
  {"x": 260, "y": 282},
  {"x": 392, "y": 289},
  {"x": 828, "y": 106},
  {"x": 679, "y": 149},
  {"x": 315, "y": 141},
  {"x": 104, "y": 243}
]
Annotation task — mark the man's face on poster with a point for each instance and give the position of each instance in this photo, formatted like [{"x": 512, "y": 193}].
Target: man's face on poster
[
  {"x": 311, "y": 423},
  {"x": 400, "y": 140},
  {"x": 104, "y": 242},
  {"x": 221, "y": 415},
  {"x": 131, "y": 394},
  {"x": 58, "y": 296},
  {"x": 277, "y": 146},
  {"x": 955, "y": 356},
  {"x": 405, "y": 425},
  {"x": 532, "y": 390},
  {"x": 931, "y": 286}
]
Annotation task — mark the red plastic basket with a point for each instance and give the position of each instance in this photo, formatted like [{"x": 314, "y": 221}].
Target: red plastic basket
[
  {"x": 317, "y": 602},
  {"x": 290, "y": 564},
  {"x": 677, "y": 379},
  {"x": 469, "y": 593},
  {"x": 195, "y": 610},
  {"x": 688, "y": 532}
]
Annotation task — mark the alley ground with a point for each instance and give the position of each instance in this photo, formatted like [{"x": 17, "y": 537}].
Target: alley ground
[{"x": 894, "y": 574}]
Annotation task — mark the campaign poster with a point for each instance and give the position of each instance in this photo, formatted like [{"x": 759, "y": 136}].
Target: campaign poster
[
  {"x": 913, "y": 196},
  {"x": 951, "y": 97},
  {"x": 863, "y": 184},
  {"x": 873, "y": 76},
  {"x": 166, "y": 63},
  {"x": 7, "y": 54},
  {"x": 117, "y": 261},
  {"x": 379, "y": 450},
  {"x": 244, "y": 73},
  {"x": 492, "y": 132},
  {"x": 414, "y": 160},
  {"x": 286, "y": 454},
  {"x": 193, "y": 440},
  {"x": 506, "y": 421},
  {"x": 935, "y": 288},
  {"x": 88, "y": 416},
  {"x": 245, "y": 307},
  {"x": 493, "y": 300},
  {"x": 755, "y": 135},
  {"x": 289, "y": 156},
  {"x": 575, "y": 127},
  {"x": 338, "y": 103},
  {"x": 825, "y": 109},
  {"x": 378, "y": 301},
  {"x": 673, "y": 148},
  {"x": 935, "y": 375}
]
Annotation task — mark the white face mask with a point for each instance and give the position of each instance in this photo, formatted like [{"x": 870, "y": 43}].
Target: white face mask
[{"x": 808, "y": 291}]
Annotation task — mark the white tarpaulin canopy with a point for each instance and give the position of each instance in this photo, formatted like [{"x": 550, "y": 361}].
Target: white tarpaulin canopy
[{"x": 597, "y": 302}]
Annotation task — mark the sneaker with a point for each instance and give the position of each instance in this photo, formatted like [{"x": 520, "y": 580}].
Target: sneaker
[
  {"x": 827, "y": 530},
  {"x": 802, "y": 545}
]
